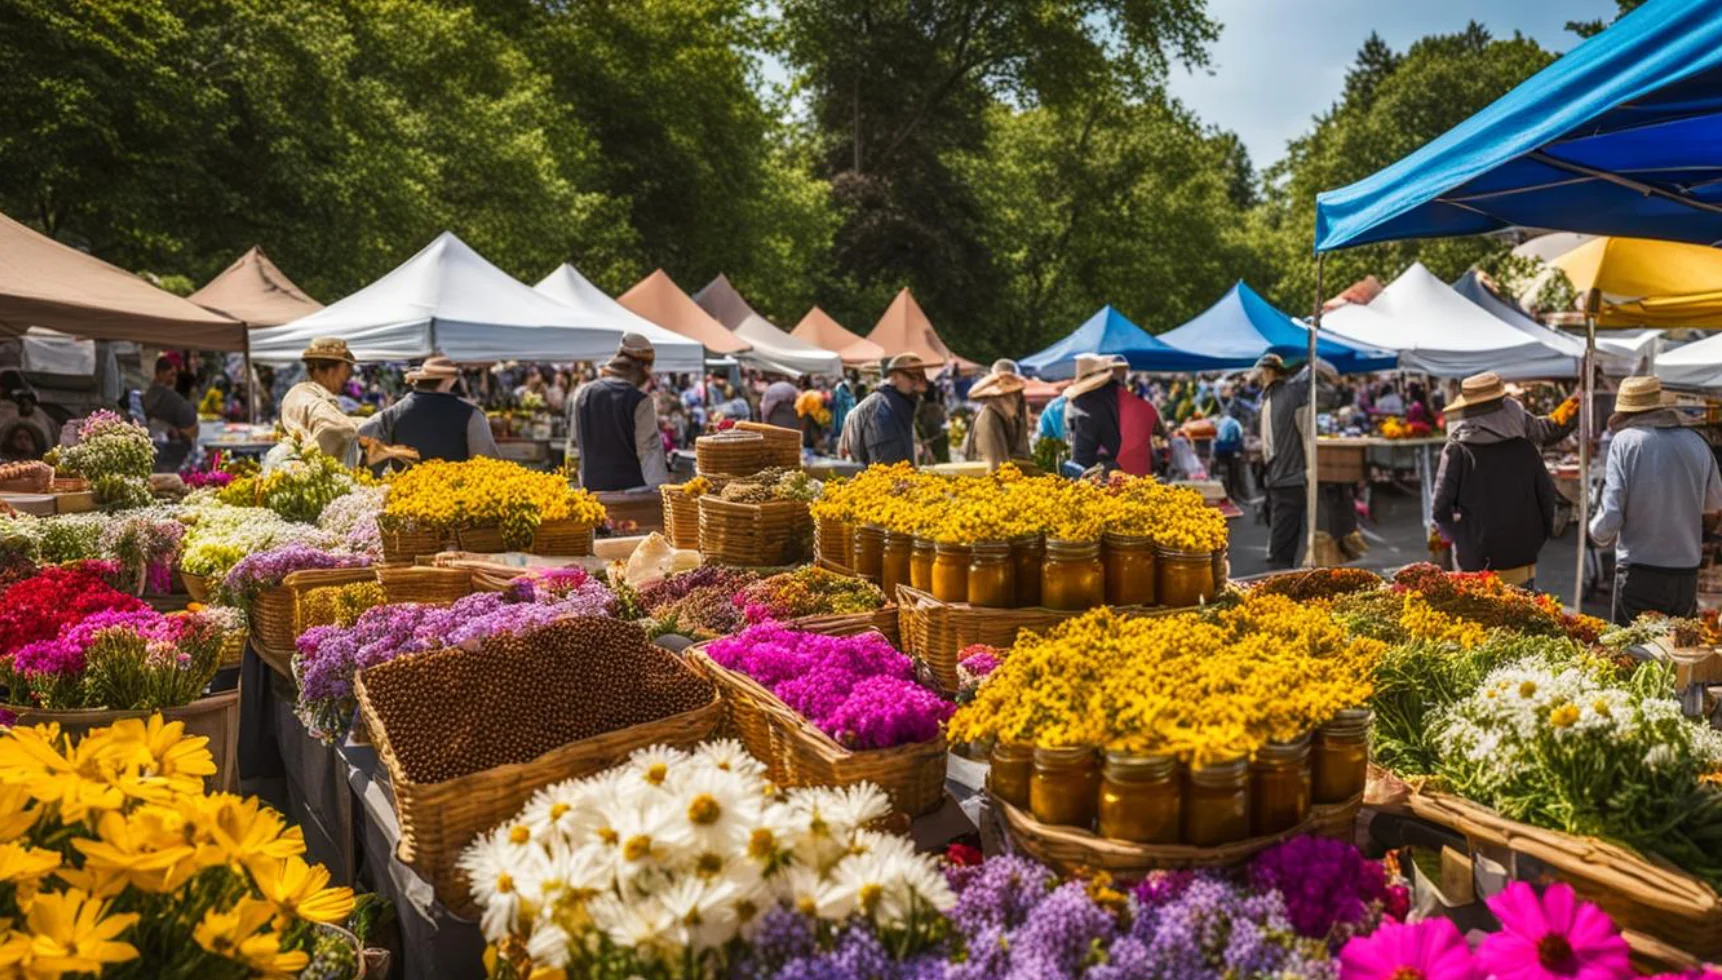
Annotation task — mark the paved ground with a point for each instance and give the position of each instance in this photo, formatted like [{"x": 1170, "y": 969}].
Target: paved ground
[{"x": 1396, "y": 538}]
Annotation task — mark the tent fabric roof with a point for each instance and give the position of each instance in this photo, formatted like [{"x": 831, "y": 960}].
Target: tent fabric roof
[
  {"x": 1475, "y": 287},
  {"x": 1617, "y": 137},
  {"x": 48, "y": 284},
  {"x": 905, "y": 329},
  {"x": 676, "y": 354},
  {"x": 1646, "y": 282},
  {"x": 820, "y": 330},
  {"x": 1440, "y": 332},
  {"x": 1697, "y": 365},
  {"x": 773, "y": 350},
  {"x": 660, "y": 300},
  {"x": 446, "y": 299},
  {"x": 1242, "y": 326},
  {"x": 255, "y": 291},
  {"x": 1111, "y": 332}
]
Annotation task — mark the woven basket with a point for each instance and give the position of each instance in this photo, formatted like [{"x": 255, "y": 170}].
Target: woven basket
[
  {"x": 196, "y": 586},
  {"x": 424, "y": 583},
  {"x": 884, "y": 619},
  {"x": 438, "y": 820},
  {"x": 778, "y": 532},
  {"x": 782, "y": 446},
  {"x": 215, "y": 717},
  {"x": 275, "y": 623},
  {"x": 1657, "y": 900},
  {"x": 798, "y": 754},
  {"x": 409, "y": 545},
  {"x": 551, "y": 538},
  {"x": 681, "y": 517},
  {"x": 1068, "y": 849},
  {"x": 834, "y": 542},
  {"x": 730, "y": 454},
  {"x": 69, "y": 484},
  {"x": 233, "y": 648}
]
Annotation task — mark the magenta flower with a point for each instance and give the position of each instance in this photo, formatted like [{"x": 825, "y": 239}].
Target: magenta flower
[
  {"x": 1555, "y": 937},
  {"x": 1427, "y": 950}
]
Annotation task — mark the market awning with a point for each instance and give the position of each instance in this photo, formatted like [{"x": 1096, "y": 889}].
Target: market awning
[
  {"x": 1242, "y": 326},
  {"x": 820, "y": 330},
  {"x": 255, "y": 291},
  {"x": 773, "y": 349},
  {"x": 660, "y": 300},
  {"x": 44, "y": 283},
  {"x": 1477, "y": 288},
  {"x": 1620, "y": 136},
  {"x": 905, "y": 329},
  {"x": 1111, "y": 332},
  {"x": 676, "y": 354},
  {"x": 1648, "y": 283}
]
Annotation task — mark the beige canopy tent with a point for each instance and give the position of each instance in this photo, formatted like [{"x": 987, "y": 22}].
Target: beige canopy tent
[
  {"x": 660, "y": 300},
  {"x": 905, "y": 329},
  {"x": 773, "y": 350},
  {"x": 255, "y": 291},
  {"x": 820, "y": 330},
  {"x": 46, "y": 284}
]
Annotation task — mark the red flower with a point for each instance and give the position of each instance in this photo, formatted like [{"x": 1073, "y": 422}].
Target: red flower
[
  {"x": 963, "y": 856},
  {"x": 36, "y": 608}
]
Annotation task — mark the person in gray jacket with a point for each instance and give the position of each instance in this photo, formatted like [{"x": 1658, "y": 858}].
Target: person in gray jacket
[
  {"x": 881, "y": 429},
  {"x": 1283, "y": 411}
]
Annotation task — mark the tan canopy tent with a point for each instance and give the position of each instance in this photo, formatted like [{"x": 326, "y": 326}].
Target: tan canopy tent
[
  {"x": 46, "y": 284},
  {"x": 820, "y": 330},
  {"x": 252, "y": 289},
  {"x": 905, "y": 329},
  {"x": 660, "y": 300},
  {"x": 773, "y": 350}
]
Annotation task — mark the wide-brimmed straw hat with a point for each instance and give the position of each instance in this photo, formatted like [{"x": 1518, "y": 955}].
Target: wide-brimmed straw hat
[
  {"x": 1640, "y": 394},
  {"x": 328, "y": 349},
  {"x": 434, "y": 369},
  {"x": 1479, "y": 389},
  {"x": 909, "y": 364},
  {"x": 633, "y": 357},
  {"x": 996, "y": 384},
  {"x": 1092, "y": 371}
]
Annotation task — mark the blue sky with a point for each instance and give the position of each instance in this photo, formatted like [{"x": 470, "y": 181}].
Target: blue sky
[{"x": 1279, "y": 62}]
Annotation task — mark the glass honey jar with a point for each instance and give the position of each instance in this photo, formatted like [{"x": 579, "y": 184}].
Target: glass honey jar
[
  {"x": 894, "y": 561},
  {"x": 1012, "y": 768},
  {"x": 1280, "y": 786},
  {"x": 921, "y": 565},
  {"x": 951, "y": 572},
  {"x": 1339, "y": 758},
  {"x": 1141, "y": 799},
  {"x": 992, "y": 576},
  {"x": 1217, "y": 803},
  {"x": 1131, "y": 568},
  {"x": 1065, "y": 788},
  {"x": 869, "y": 552},
  {"x": 1073, "y": 578},
  {"x": 1028, "y": 554},
  {"x": 1185, "y": 578}
]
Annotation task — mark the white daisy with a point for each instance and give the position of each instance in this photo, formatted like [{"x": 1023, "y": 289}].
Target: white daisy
[
  {"x": 658, "y": 766},
  {"x": 808, "y": 892},
  {"x": 548, "y": 946},
  {"x": 642, "y": 925},
  {"x": 704, "y": 909},
  {"x": 494, "y": 866},
  {"x": 715, "y": 810},
  {"x": 856, "y": 806},
  {"x": 731, "y": 756}
]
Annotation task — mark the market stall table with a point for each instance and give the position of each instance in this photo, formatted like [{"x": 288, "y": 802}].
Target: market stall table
[{"x": 1424, "y": 447}]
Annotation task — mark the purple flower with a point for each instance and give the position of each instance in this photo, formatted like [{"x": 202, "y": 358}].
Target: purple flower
[
  {"x": 998, "y": 893},
  {"x": 1325, "y": 883},
  {"x": 1060, "y": 934},
  {"x": 266, "y": 569}
]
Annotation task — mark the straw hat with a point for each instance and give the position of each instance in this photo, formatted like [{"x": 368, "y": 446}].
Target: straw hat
[
  {"x": 434, "y": 369},
  {"x": 1640, "y": 395},
  {"x": 1272, "y": 361},
  {"x": 328, "y": 349},
  {"x": 1005, "y": 365},
  {"x": 633, "y": 358},
  {"x": 909, "y": 364},
  {"x": 996, "y": 384},
  {"x": 1478, "y": 389},
  {"x": 1092, "y": 371}
]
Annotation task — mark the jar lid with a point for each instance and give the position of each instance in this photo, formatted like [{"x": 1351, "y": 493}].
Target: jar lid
[
  {"x": 1156, "y": 766},
  {"x": 950, "y": 547},
  {"x": 1137, "y": 540},
  {"x": 991, "y": 548},
  {"x": 1063, "y": 753},
  {"x": 1285, "y": 751},
  {"x": 1166, "y": 552},
  {"x": 1220, "y": 772},
  {"x": 1073, "y": 549},
  {"x": 1349, "y": 722}
]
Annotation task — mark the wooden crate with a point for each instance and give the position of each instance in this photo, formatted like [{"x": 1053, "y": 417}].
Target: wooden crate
[{"x": 1339, "y": 463}]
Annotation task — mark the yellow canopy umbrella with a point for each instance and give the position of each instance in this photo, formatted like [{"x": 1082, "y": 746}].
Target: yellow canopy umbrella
[{"x": 1648, "y": 283}]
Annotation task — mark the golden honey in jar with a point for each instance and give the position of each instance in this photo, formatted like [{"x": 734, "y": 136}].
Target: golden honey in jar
[
  {"x": 1141, "y": 799},
  {"x": 1012, "y": 768},
  {"x": 951, "y": 572},
  {"x": 869, "y": 552},
  {"x": 1072, "y": 579},
  {"x": 992, "y": 576},
  {"x": 1185, "y": 578},
  {"x": 894, "y": 561},
  {"x": 1130, "y": 570},
  {"x": 921, "y": 565},
  {"x": 1028, "y": 554},
  {"x": 1280, "y": 786},
  {"x": 1065, "y": 788},
  {"x": 1339, "y": 757},
  {"x": 1217, "y": 803}
]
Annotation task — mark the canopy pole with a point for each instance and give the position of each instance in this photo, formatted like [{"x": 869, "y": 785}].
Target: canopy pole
[
  {"x": 250, "y": 382},
  {"x": 1311, "y": 469},
  {"x": 1592, "y": 302}
]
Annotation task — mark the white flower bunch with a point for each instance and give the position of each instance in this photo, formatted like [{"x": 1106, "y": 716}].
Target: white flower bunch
[
  {"x": 674, "y": 855},
  {"x": 353, "y": 519},
  {"x": 222, "y": 535}
]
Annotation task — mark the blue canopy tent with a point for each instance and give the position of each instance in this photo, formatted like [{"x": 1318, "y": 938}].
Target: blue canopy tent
[
  {"x": 1242, "y": 326},
  {"x": 1620, "y": 136},
  {"x": 1111, "y": 332}
]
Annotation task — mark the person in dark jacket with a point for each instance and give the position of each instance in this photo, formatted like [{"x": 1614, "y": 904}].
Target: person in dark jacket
[
  {"x": 1091, "y": 414},
  {"x": 432, "y": 420},
  {"x": 613, "y": 425},
  {"x": 881, "y": 429},
  {"x": 1284, "y": 408},
  {"x": 1493, "y": 496}
]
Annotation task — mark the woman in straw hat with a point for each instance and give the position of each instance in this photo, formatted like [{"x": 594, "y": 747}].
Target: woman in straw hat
[
  {"x": 999, "y": 432},
  {"x": 1661, "y": 492},
  {"x": 310, "y": 414}
]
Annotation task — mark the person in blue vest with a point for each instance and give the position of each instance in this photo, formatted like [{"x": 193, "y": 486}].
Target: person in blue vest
[
  {"x": 432, "y": 420},
  {"x": 613, "y": 425},
  {"x": 881, "y": 429}
]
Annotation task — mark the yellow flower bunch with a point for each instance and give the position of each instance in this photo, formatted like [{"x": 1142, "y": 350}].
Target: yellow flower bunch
[
  {"x": 340, "y": 605},
  {"x": 439, "y": 495},
  {"x": 697, "y": 487},
  {"x": 119, "y": 819},
  {"x": 1173, "y": 517},
  {"x": 810, "y": 404},
  {"x": 1205, "y": 687},
  {"x": 1422, "y": 621}
]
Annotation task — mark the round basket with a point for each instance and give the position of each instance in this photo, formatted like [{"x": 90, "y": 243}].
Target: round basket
[
  {"x": 215, "y": 717},
  {"x": 437, "y": 586},
  {"x": 681, "y": 518},
  {"x": 562, "y": 538},
  {"x": 782, "y": 446},
  {"x": 273, "y": 615},
  {"x": 484, "y": 539},
  {"x": 196, "y": 586},
  {"x": 408, "y": 545},
  {"x": 233, "y": 648},
  {"x": 733, "y": 453}
]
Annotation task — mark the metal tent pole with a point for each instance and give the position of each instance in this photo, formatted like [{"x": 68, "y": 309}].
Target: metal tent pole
[
  {"x": 1592, "y": 301},
  {"x": 250, "y": 381},
  {"x": 1311, "y": 469}
]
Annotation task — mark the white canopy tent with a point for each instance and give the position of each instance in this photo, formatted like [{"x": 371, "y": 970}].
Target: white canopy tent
[
  {"x": 1696, "y": 366},
  {"x": 447, "y": 299},
  {"x": 1476, "y": 288},
  {"x": 1439, "y": 332},
  {"x": 773, "y": 349},
  {"x": 676, "y": 354}
]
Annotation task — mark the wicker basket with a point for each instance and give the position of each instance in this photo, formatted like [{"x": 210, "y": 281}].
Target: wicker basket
[
  {"x": 834, "y": 542},
  {"x": 69, "y": 484},
  {"x": 681, "y": 517},
  {"x": 1657, "y": 900},
  {"x": 730, "y": 454},
  {"x": 1068, "y": 849},
  {"x": 782, "y": 446},
  {"x": 778, "y": 532},
  {"x": 438, "y": 820},
  {"x": 551, "y": 538},
  {"x": 424, "y": 583},
  {"x": 215, "y": 717},
  {"x": 275, "y": 623},
  {"x": 884, "y": 619},
  {"x": 233, "y": 648},
  {"x": 798, "y": 754},
  {"x": 409, "y": 545},
  {"x": 196, "y": 586}
]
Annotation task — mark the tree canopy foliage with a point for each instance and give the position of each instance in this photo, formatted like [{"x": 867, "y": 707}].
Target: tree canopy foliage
[{"x": 1017, "y": 163}]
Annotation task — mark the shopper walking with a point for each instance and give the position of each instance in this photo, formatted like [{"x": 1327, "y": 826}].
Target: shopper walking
[
  {"x": 1284, "y": 409},
  {"x": 999, "y": 432},
  {"x": 881, "y": 429}
]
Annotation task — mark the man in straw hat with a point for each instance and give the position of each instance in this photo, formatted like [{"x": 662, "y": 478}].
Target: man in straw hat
[
  {"x": 999, "y": 432},
  {"x": 432, "y": 420},
  {"x": 1661, "y": 491},
  {"x": 1493, "y": 497},
  {"x": 881, "y": 429},
  {"x": 613, "y": 425},
  {"x": 310, "y": 414},
  {"x": 1107, "y": 425}
]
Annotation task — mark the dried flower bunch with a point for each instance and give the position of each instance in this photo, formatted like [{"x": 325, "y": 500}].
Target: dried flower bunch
[
  {"x": 809, "y": 591},
  {"x": 299, "y": 488},
  {"x": 115, "y": 454},
  {"x": 772, "y": 483}
]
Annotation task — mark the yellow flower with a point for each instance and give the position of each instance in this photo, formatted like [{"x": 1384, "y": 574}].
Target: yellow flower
[
  {"x": 242, "y": 833},
  {"x": 1564, "y": 716},
  {"x": 17, "y": 814},
  {"x": 70, "y": 933},
  {"x": 439, "y": 494},
  {"x": 170, "y": 762},
  {"x": 239, "y": 935},
  {"x": 302, "y": 890},
  {"x": 133, "y": 850},
  {"x": 78, "y": 782}
]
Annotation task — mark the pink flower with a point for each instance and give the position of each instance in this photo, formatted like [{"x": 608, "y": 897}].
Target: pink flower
[
  {"x": 1427, "y": 950},
  {"x": 1554, "y": 937}
]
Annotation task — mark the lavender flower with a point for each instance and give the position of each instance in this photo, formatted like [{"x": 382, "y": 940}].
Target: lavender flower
[{"x": 1326, "y": 883}]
